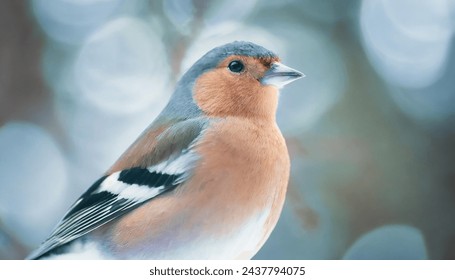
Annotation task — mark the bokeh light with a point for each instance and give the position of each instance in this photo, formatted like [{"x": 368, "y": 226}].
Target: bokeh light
[
  {"x": 392, "y": 242},
  {"x": 121, "y": 67},
  {"x": 71, "y": 21},
  {"x": 33, "y": 180},
  {"x": 407, "y": 42},
  {"x": 220, "y": 12},
  {"x": 180, "y": 13}
]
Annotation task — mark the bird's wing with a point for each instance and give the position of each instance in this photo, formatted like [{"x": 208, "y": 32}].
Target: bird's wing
[{"x": 122, "y": 191}]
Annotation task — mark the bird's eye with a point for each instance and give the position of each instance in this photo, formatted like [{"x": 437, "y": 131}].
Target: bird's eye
[{"x": 236, "y": 66}]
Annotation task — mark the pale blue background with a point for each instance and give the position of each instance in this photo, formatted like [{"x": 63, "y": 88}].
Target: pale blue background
[{"x": 370, "y": 130}]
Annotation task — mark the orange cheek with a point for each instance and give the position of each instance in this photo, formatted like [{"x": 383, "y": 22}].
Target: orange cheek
[
  {"x": 222, "y": 93},
  {"x": 211, "y": 93}
]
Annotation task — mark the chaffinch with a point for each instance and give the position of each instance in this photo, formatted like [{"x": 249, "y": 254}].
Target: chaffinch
[{"x": 206, "y": 180}]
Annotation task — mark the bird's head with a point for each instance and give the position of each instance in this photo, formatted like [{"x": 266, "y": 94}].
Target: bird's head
[{"x": 236, "y": 79}]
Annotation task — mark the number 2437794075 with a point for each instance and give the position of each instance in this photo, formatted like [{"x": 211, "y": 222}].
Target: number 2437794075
[{"x": 273, "y": 270}]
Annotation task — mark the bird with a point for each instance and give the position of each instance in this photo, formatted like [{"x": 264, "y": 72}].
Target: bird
[{"x": 206, "y": 179}]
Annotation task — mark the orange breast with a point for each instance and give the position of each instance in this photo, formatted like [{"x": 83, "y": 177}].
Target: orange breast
[{"x": 243, "y": 172}]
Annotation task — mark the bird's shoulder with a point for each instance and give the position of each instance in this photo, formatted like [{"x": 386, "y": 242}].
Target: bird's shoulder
[
  {"x": 166, "y": 163},
  {"x": 160, "y": 141}
]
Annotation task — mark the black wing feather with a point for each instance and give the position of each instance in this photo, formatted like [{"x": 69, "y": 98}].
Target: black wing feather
[{"x": 97, "y": 207}]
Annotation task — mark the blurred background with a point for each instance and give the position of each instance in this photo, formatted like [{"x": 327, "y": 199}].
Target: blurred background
[{"x": 370, "y": 130}]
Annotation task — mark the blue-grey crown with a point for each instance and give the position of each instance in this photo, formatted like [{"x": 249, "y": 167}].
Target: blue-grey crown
[
  {"x": 211, "y": 59},
  {"x": 238, "y": 48}
]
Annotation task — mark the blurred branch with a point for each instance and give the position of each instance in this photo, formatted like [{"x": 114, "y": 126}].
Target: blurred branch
[{"x": 177, "y": 41}]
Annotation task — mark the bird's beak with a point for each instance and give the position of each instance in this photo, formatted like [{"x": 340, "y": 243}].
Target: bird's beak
[{"x": 280, "y": 75}]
